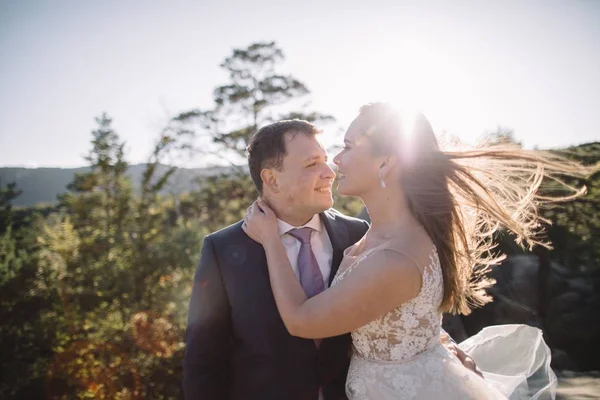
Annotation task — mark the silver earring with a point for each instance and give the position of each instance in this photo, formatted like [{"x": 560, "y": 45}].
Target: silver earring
[{"x": 381, "y": 181}]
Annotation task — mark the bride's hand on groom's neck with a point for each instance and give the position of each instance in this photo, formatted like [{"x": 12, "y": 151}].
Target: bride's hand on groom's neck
[{"x": 260, "y": 223}]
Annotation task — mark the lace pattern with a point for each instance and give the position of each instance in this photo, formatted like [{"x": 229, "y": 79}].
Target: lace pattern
[{"x": 409, "y": 329}]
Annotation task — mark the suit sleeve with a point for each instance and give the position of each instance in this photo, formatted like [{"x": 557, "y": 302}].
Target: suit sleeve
[
  {"x": 208, "y": 333},
  {"x": 360, "y": 231},
  {"x": 365, "y": 227}
]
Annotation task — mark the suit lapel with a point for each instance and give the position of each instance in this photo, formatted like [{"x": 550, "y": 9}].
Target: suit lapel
[
  {"x": 247, "y": 254},
  {"x": 339, "y": 237},
  {"x": 256, "y": 253}
]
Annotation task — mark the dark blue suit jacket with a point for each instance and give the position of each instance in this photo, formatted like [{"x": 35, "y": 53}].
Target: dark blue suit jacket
[{"x": 237, "y": 346}]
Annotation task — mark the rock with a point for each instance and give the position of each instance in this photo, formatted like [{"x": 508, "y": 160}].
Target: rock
[
  {"x": 570, "y": 315},
  {"x": 453, "y": 324},
  {"x": 515, "y": 296},
  {"x": 573, "y": 324},
  {"x": 562, "y": 361},
  {"x": 576, "y": 385}
]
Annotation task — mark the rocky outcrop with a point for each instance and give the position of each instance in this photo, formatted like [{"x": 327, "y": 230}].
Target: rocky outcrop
[{"x": 569, "y": 314}]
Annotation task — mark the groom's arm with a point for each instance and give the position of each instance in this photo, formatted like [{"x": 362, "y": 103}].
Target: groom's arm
[{"x": 207, "y": 352}]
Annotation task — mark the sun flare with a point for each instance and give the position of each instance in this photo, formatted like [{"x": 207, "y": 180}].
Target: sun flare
[{"x": 416, "y": 77}]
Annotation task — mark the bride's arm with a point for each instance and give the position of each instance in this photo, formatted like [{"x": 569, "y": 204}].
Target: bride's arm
[{"x": 384, "y": 280}]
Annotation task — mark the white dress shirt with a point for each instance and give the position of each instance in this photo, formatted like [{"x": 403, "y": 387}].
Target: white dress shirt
[{"x": 319, "y": 241}]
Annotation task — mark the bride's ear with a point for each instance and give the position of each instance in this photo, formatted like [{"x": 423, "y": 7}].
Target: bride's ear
[
  {"x": 269, "y": 180},
  {"x": 388, "y": 164}
]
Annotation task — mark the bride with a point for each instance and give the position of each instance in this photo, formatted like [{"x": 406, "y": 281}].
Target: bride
[{"x": 433, "y": 216}]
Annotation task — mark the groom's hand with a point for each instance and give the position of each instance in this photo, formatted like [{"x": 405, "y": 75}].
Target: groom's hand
[{"x": 465, "y": 359}]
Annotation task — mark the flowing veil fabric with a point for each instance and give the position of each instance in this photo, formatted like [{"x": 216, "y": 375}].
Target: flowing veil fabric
[{"x": 515, "y": 360}]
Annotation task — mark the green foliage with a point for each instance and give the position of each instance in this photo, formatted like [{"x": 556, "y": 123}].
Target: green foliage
[
  {"x": 28, "y": 312},
  {"x": 7, "y": 195},
  {"x": 575, "y": 225},
  {"x": 221, "y": 201},
  {"x": 352, "y": 206},
  {"x": 96, "y": 307}
]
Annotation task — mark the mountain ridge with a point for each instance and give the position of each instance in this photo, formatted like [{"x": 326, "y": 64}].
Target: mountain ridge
[{"x": 43, "y": 185}]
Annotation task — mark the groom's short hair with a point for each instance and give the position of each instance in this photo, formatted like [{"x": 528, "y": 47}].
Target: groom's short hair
[{"x": 266, "y": 149}]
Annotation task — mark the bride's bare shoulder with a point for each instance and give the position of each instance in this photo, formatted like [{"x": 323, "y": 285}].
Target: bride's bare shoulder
[{"x": 415, "y": 245}]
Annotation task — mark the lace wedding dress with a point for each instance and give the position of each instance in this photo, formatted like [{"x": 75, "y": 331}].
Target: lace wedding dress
[{"x": 399, "y": 355}]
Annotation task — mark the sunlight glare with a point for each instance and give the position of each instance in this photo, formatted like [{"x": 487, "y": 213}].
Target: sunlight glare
[{"x": 417, "y": 76}]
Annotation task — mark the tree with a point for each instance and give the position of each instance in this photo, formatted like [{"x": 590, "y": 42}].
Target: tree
[
  {"x": 576, "y": 224},
  {"x": 501, "y": 136},
  {"x": 106, "y": 185},
  {"x": 7, "y": 194},
  {"x": 28, "y": 328},
  {"x": 120, "y": 265},
  {"x": 255, "y": 95}
]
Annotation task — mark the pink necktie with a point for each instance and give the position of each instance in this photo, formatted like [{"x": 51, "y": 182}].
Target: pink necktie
[{"x": 309, "y": 272}]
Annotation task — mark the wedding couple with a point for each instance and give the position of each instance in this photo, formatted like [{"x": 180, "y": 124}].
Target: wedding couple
[{"x": 301, "y": 302}]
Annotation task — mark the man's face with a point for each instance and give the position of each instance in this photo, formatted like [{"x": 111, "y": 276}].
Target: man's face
[{"x": 305, "y": 179}]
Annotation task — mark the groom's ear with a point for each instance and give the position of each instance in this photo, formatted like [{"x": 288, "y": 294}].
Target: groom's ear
[{"x": 269, "y": 180}]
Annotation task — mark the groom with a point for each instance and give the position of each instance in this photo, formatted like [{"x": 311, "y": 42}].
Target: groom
[{"x": 237, "y": 346}]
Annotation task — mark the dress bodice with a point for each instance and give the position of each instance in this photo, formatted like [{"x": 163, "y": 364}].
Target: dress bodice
[{"x": 407, "y": 330}]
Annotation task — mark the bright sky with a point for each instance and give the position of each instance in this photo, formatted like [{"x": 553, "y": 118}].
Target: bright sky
[{"x": 532, "y": 66}]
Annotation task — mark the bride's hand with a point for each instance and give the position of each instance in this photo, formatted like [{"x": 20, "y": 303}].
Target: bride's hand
[{"x": 260, "y": 223}]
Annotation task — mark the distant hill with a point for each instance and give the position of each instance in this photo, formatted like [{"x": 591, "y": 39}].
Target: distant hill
[{"x": 42, "y": 185}]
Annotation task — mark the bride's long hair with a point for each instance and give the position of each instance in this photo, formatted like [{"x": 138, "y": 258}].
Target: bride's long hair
[{"x": 463, "y": 197}]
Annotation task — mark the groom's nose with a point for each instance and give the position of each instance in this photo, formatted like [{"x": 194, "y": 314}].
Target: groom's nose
[
  {"x": 328, "y": 172},
  {"x": 333, "y": 167}
]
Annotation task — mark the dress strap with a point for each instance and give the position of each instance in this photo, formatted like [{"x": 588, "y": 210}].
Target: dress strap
[{"x": 419, "y": 265}]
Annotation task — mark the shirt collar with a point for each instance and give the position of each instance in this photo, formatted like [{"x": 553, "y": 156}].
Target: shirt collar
[{"x": 284, "y": 227}]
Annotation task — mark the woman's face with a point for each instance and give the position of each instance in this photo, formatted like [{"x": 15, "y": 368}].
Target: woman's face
[{"x": 358, "y": 168}]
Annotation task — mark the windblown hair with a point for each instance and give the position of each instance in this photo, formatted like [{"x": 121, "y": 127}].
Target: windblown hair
[{"x": 462, "y": 198}]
